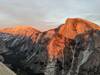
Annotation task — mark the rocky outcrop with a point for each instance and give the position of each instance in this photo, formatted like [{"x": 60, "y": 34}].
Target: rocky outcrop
[
  {"x": 70, "y": 49},
  {"x": 4, "y": 70}
]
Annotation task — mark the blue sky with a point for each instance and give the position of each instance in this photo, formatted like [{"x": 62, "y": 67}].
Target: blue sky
[{"x": 46, "y": 14}]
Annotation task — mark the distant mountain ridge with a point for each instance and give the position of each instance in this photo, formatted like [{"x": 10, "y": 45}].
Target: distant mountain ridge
[{"x": 56, "y": 46}]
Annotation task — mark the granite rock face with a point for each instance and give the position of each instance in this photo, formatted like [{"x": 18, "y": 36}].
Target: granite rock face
[
  {"x": 22, "y": 54},
  {"x": 86, "y": 55},
  {"x": 71, "y": 49},
  {"x": 14, "y": 50}
]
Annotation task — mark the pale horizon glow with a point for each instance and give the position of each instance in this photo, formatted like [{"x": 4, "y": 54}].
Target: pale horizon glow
[{"x": 46, "y": 14}]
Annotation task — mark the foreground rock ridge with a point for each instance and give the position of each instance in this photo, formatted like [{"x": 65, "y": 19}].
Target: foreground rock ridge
[{"x": 71, "y": 49}]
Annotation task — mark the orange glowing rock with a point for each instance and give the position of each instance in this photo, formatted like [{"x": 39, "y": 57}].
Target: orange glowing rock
[
  {"x": 75, "y": 26},
  {"x": 22, "y": 31},
  {"x": 69, "y": 30},
  {"x": 56, "y": 46}
]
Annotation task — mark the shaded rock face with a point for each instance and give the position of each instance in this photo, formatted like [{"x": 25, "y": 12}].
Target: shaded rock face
[
  {"x": 71, "y": 49},
  {"x": 15, "y": 50},
  {"x": 92, "y": 65},
  {"x": 85, "y": 55},
  {"x": 21, "y": 53}
]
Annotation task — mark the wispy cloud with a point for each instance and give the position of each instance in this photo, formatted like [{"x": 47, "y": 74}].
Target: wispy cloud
[
  {"x": 7, "y": 20},
  {"x": 47, "y": 13}
]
